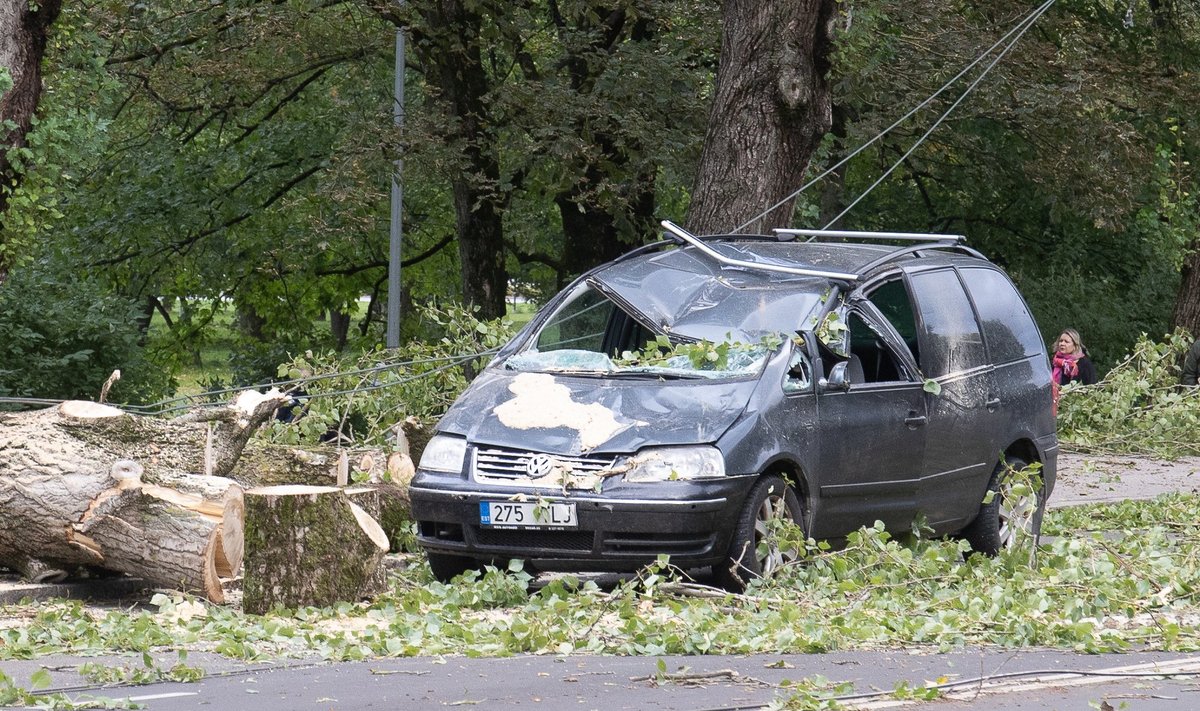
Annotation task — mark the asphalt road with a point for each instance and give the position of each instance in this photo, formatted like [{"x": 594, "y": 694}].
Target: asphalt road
[{"x": 987, "y": 678}]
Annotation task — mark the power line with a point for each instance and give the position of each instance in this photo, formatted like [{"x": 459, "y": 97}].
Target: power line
[
  {"x": 1023, "y": 23},
  {"x": 1028, "y": 23}
]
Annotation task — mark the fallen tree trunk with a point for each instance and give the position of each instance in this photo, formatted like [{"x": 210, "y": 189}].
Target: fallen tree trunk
[
  {"x": 83, "y": 484},
  {"x": 310, "y": 546}
]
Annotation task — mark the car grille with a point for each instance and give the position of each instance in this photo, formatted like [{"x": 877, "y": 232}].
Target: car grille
[
  {"x": 579, "y": 541},
  {"x": 509, "y": 464},
  {"x": 658, "y": 543}
]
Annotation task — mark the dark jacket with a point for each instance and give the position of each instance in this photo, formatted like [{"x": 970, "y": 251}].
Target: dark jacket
[
  {"x": 1086, "y": 374},
  {"x": 1191, "y": 363}
]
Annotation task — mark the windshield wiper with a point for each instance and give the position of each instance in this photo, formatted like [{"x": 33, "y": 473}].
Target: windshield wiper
[{"x": 656, "y": 375}]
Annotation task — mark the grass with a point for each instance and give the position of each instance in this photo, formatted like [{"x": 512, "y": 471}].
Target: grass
[{"x": 522, "y": 313}]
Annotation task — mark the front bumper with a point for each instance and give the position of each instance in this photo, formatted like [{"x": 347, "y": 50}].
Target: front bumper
[{"x": 621, "y": 529}]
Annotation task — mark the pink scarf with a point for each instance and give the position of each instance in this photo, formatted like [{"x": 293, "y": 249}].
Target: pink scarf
[{"x": 1065, "y": 366}]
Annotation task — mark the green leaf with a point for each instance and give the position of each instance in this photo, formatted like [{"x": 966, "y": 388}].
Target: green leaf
[{"x": 40, "y": 679}]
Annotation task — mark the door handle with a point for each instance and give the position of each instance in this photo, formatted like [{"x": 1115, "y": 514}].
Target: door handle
[
  {"x": 992, "y": 404},
  {"x": 914, "y": 420}
]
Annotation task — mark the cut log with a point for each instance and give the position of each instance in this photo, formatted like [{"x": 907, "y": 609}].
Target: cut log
[
  {"x": 309, "y": 546},
  {"x": 86, "y": 484}
]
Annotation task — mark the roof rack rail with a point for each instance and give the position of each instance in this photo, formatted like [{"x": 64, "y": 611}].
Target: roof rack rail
[
  {"x": 759, "y": 266},
  {"x": 842, "y": 234},
  {"x": 914, "y": 249}
]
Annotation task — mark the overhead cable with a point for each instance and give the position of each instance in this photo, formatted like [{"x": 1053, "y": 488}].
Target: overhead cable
[
  {"x": 1021, "y": 26},
  {"x": 1028, "y": 23}
]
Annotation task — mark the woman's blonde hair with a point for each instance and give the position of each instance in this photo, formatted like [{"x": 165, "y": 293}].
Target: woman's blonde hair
[{"x": 1075, "y": 338}]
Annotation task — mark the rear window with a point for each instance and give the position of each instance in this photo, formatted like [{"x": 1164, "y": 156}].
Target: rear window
[
  {"x": 1009, "y": 329},
  {"x": 950, "y": 338}
]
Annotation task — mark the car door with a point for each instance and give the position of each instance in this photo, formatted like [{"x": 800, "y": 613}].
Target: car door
[
  {"x": 962, "y": 445},
  {"x": 872, "y": 434}
]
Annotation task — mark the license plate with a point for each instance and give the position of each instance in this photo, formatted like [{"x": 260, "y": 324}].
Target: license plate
[{"x": 521, "y": 514}]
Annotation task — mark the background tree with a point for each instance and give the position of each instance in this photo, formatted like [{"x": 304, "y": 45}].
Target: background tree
[
  {"x": 1069, "y": 163},
  {"x": 23, "y": 34},
  {"x": 237, "y": 157},
  {"x": 770, "y": 111}
]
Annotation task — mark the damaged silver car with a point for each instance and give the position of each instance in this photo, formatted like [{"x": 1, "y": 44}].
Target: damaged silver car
[{"x": 679, "y": 400}]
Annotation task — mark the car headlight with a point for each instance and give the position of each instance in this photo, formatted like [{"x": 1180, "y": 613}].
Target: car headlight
[
  {"x": 672, "y": 463},
  {"x": 444, "y": 454}
]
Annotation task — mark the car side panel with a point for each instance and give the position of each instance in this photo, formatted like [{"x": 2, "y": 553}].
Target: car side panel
[{"x": 965, "y": 433}]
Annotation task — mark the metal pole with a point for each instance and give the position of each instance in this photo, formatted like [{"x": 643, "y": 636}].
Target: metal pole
[{"x": 393, "y": 304}]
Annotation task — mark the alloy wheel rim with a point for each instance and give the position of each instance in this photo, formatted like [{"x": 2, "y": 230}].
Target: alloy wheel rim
[
  {"x": 1016, "y": 517},
  {"x": 773, "y": 508}
]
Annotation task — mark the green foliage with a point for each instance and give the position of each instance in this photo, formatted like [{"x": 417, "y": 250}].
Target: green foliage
[
  {"x": 271, "y": 188},
  {"x": 702, "y": 354},
  {"x": 1138, "y": 407},
  {"x": 1085, "y": 590},
  {"x": 810, "y": 694},
  {"x": 12, "y": 695},
  {"x": 62, "y": 337},
  {"x": 363, "y": 398},
  {"x": 1173, "y": 512},
  {"x": 905, "y": 691},
  {"x": 1048, "y": 167},
  {"x": 148, "y": 673}
]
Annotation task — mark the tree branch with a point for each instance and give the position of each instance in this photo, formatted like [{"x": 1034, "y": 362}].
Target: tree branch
[{"x": 379, "y": 264}]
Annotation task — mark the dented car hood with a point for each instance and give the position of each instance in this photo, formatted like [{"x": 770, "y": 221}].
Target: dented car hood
[{"x": 573, "y": 415}]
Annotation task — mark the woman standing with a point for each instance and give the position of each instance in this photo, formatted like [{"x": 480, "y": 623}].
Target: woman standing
[{"x": 1070, "y": 364}]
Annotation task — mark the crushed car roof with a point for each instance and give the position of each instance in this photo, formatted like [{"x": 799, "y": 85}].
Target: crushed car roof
[{"x": 687, "y": 293}]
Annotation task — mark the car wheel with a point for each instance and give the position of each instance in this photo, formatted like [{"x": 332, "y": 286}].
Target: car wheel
[
  {"x": 447, "y": 567},
  {"x": 771, "y": 500},
  {"x": 1006, "y": 518}
]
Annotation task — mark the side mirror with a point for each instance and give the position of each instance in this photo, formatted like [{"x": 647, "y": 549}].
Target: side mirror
[{"x": 837, "y": 379}]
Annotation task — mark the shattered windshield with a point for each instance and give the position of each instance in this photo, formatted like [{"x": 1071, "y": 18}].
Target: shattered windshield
[{"x": 590, "y": 333}]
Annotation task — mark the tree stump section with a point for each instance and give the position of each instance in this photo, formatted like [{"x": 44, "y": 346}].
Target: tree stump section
[
  {"x": 309, "y": 546},
  {"x": 87, "y": 485}
]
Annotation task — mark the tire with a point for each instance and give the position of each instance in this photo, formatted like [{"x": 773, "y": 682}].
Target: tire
[
  {"x": 771, "y": 498},
  {"x": 447, "y": 567},
  {"x": 995, "y": 527}
]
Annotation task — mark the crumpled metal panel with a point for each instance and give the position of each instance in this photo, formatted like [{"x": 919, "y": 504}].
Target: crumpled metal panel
[
  {"x": 666, "y": 413},
  {"x": 684, "y": 293}
]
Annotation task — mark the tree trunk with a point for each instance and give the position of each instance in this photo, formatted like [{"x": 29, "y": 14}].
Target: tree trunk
[
  {"x": 589, "y": 236},
  {"x": 84, "y": 484},
  {"x": 309, "y": 546},
  {"x": 339, "y": 328},
  {"x": 250, "y": 323},
  {"x": 771, "y": 108},
  {"x": 1187, "y": 302},
  {"x": 449, "y": 49},
  {"x": 23, "y": 30}
]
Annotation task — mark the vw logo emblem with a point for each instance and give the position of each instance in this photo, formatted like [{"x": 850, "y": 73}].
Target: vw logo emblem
[{"x": 539, "y": 465}]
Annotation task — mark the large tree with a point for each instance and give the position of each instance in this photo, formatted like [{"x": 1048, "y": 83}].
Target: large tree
[
  {"x": 23, "y": 33},
  {"x": 770, "y": 111},
  {"x": 449, "y": 45}
]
